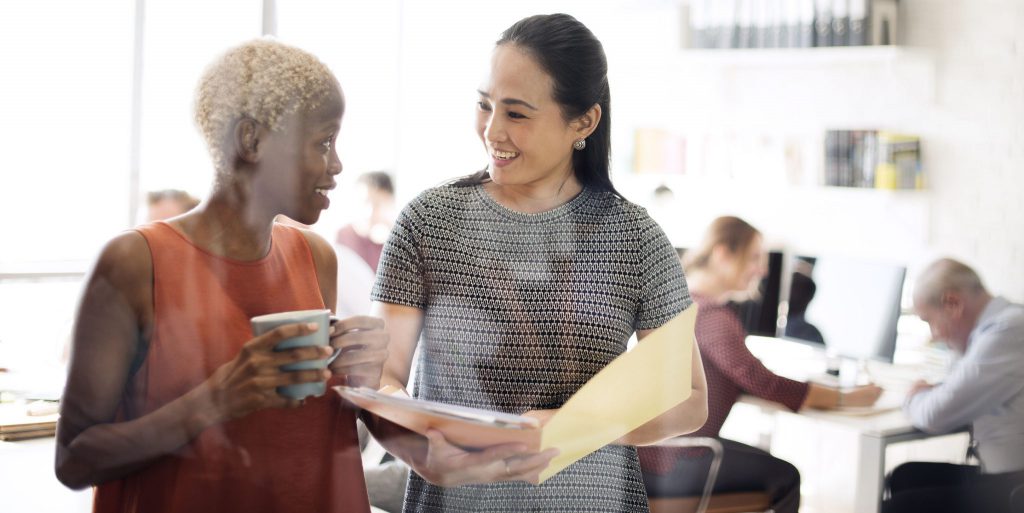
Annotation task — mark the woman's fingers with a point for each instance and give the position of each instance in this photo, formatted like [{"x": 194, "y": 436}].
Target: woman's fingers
[
  {"x": 359, "y": 322},
  {"x": 506, "y": 462},
  {"x": 302, "y": 376},
  {"x": 268, "y": 340},
  {"x": 300, "y": 354},
  {"x": 527, "y": 468},
  {"x": 349, "y": 359}
]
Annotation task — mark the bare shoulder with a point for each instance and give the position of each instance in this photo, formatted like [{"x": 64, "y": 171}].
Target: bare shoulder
[
  {"x": 126, "y": 265},
  {"x": 126, "y": 258},
  {"x": 323, "y": 253}
]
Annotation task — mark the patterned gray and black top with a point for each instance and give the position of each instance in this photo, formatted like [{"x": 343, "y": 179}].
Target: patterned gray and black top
[{"x": 520, "y": 310}]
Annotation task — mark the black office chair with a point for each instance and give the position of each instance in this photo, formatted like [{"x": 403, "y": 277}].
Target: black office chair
[
  {"x": 707, "y": 502},
  {"x": 1017, "y": 498}
]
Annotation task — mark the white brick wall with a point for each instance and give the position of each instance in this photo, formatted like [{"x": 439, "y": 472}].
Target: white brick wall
[{"x": 974, "y": 133}]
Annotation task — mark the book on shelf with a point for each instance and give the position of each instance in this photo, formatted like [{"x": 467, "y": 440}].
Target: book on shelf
[
  {"x": 832, "y": 157},
  {"x": 745, "y": 27},
  {"x": 840, "y": 22},
  {"x": 822, "y": 23},
  {"x": 899, "y": 162},
  {"x": 882, "y": 22},
  {"x": 856, "y": 157},
  {"x": 805, "y": 36},
  {"x": 858, "y": 33},
  {"x": 869, "y": 158},
  {"x": 789, "y": 23},
  {"x": 789, "y": 17},
  {"x": 762, "y": 24},
  {"x": 775, "y": 23},
  {"x": 697, "y": 18},
  {"x": 872, "y": 159},
  {"x": 844, "y": 169}
]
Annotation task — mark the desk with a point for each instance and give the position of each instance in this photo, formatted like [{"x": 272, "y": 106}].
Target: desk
[
  {"x": 874, "y": 431},
  {"x": 28, "y": 484}
]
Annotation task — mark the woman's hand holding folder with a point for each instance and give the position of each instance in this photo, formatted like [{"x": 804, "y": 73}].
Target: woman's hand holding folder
[{"x": 445, "y": 464}]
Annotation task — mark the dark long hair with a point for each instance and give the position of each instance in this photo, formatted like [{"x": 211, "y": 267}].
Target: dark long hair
[{"x": 574, "y": 59}]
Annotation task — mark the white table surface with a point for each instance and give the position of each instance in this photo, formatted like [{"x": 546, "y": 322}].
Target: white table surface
[{"x": 874, "y": 428}]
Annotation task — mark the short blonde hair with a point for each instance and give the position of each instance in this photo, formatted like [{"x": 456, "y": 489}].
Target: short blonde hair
[
  {"x": 946, "y": 275},
  {"x": 262, "y": 79}
]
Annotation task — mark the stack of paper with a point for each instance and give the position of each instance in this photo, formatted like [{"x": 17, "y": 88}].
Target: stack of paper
[{"x": 17, "y": 424}]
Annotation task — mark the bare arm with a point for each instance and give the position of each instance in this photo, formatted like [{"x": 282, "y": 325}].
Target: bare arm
[
  {"x": 404, "y": 324},
  {"x": 685, "y": 418},
  {"x": 112, "y": 323},
  {"x": 826, "y": 398}
]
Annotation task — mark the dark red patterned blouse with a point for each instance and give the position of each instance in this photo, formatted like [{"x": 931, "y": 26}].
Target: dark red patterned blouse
[{"x": 731, "y": 370}]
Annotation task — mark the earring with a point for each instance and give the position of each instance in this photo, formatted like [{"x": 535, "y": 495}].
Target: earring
[{"x": 579, "y": 144}]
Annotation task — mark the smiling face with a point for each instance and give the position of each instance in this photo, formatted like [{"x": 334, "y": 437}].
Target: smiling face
[
  {"x": 298, "y": 163},
  {"x": 527, "y": 139}
]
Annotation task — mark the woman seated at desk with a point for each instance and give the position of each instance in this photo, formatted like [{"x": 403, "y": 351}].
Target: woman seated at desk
[{"x": 727, "y": 262}]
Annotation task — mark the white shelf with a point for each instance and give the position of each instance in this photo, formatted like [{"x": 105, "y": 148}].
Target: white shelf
[
  {"x": 836, "y": 55},
  {"x": 877, "y": 224}
]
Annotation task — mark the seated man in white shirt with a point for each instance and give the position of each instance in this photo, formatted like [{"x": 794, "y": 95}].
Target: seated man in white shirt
[{"x": 984, "y": 390}]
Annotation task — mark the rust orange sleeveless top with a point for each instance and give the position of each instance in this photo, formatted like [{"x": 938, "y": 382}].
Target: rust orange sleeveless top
[{"x": 295, "y": 460}]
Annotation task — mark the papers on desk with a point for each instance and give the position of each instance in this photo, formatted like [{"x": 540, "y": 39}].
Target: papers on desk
[
  {"x": 633, "y": 389},
  {"x": 890, "y": 400},
  {"x": 17, "y": 423}
]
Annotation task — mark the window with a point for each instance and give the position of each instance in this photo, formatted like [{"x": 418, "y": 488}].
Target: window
[
  {"x": 64, "y": 187},
  {"x": 180, "y": 39},
  {"x": 66, "y": 130}
]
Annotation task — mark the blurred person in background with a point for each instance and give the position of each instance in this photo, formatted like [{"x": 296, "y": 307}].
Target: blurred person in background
[
  {"x": 168, "y": 203},
  {"x": 366, "y": 235},
  {"x": 801, "y": 292},
  {"x": 984, "y": 391},
  {"x": 729, "y": 261}
]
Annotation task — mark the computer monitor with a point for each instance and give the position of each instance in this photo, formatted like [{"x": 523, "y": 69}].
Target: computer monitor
[
  {"x": 760, "y": 314},
  {"x": 851, "y": 306}
]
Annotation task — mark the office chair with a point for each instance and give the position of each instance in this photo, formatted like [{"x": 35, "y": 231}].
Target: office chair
[
  {"x": 736, "y": 502},
  {"x": 1017, "y": 498}
]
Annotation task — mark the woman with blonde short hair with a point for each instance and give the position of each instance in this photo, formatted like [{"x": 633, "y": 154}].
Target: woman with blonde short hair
[{"x": 171, "y": 403}]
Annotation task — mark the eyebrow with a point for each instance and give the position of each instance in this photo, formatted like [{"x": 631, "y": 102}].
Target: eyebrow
[{"x": 510, "y": 101}]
